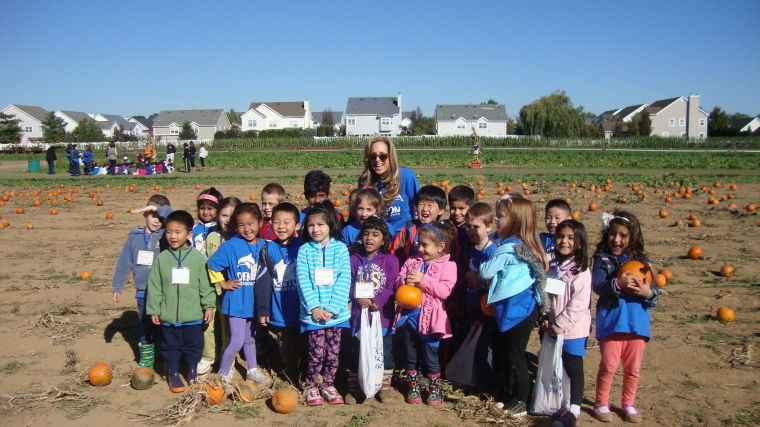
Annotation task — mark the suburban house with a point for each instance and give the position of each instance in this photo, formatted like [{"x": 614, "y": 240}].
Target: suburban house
[
  {"x": 460, "y": 119},
  {"x": 616, "y": 121},
  {"x": 317, "y": 118},
  {"x": 678, "y": 117},
  {"x": 141, "y": 127},
  {"x": 749, "y": 124},
  {"x": 71, "y": 119},
  {"x": 277, "y": 115},
  {"x": 29, "y": 120},
  {"x": 406, "y": 119},
  {"x": 205, "y": 123},
  {"x": 371, "y": 116}
]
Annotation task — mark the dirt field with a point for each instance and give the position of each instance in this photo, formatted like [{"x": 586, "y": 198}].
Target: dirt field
[{"x": 696, "y": 371}]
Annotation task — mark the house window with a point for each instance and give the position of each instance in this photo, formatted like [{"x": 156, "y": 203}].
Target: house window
[
  {"x": 671, "y": 122},
  {"x": 28, "y": 129},
  {"x": 294, "y": 123},
  {"x": 701, "y": 122},
  {"x": 174, "y": 130},
  {"x": 681, "y": 122},
  {"x": 272, "y": 124},
  {"x": 701, "y": 134},
  {"x": 665, "y": 134},
  {"x": 683, "y": 133},
  {"x": 251, "y": 123},
  {"x": 482, "y": 125},
  {"x": 195, "y": 129},
  {"x": 385, "y": 121},
  {"x": 351, "y": 121},
  {"x": 460, "y": 124}
]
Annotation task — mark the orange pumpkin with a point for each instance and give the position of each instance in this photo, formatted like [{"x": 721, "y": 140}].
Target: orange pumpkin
[
  {"x": 733, "y": 187},
  {"x": 663, "y": 213},
  {"x": 692, "y": 217},
  {"x": 215, "y": 393},
  {"x": 678, "y": 223},
  {"x": 725, "y": 314},
  {"x": 751, "y": 207},
  {"x": 245, "y": 391},
  {"x": 695, "y": 252},
  {"x": 667, "y": 273},
  {"x": 695, "y": 223},
  {"x": 660, "y": 280},
  {"x": 100, "y": 375},
  {"x": 36, "y": 203},
  {"x": 285, "y": 400},
  {"x": 486, "y": 308},
  {"x": 576, "y": 215},
  {"x": 338, "y": 203},
  {"x": 408, "y": 297},
  {"x": 727, "y": 270},
  {"x": 29, "y": 226},
  {"x": 668, "y": 199},
  {"x": 636, "y": 269},
  {"x": 20, "y": 211},
  {"x": 593, "y": 206},
  {"x": 109, "y": 215},
  {"x": 142, "y": 378},
  {"x": 53, "y": 211},
  {"x": 85, "y": 275}
]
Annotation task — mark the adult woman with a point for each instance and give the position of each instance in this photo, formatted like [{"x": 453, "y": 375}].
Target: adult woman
[
  {"x": 397, "y": 184},
  {"x": 191, "y": 149}
]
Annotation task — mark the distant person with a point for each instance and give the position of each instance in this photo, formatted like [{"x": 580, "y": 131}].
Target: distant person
[
  {"x": 170, "y": 150},
  {"x": 202, "y": 154},
  {"x": 191, "y": 150},
  {"x": 186, "y": 156},
  {"x": 74, "y": 153},
  {"x": 149, "y": 152},
  {"x": 112, "y": 155},
  {"x": 87, "y": 159},
  {"x": 50, "y": 157}
]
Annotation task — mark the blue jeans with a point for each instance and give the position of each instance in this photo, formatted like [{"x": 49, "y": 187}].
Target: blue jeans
[
  {"x": 147, "y": 328},
  {"x": 51, "y": 167}
]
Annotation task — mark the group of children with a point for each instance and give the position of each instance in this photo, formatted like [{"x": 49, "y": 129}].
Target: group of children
[{"x": 303, "y": 278}]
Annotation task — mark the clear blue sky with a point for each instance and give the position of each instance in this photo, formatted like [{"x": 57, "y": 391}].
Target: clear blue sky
[{"x": 139, "y": 57}]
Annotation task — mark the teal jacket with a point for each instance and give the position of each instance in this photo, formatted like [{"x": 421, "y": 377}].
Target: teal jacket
[{"x": 179, "y": 304}]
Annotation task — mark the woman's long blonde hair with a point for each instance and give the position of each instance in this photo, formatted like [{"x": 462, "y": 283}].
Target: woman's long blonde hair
[
  {"x": 521, "y": 223},
  {"x": 391, "y": 179}
]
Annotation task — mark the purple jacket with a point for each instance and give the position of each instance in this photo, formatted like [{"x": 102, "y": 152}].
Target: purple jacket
[{"x": 382, "y": 272}]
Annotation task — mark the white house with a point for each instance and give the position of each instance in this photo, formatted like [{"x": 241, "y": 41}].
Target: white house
[
  {"x": 205, "y": 123},
  {"x": 30, "y": 121},
  {"x": 749, "y": 124},
  {"x": 141, "y": 127},
  {"x": 370, "y": 116},
  {"x": 406, "y": 119},
  {"x": 317, "y": 118},
  {"x": 277, "y": 115},
  {"x": 460, "y": 119},
  {"x": 71, "y": 119},
  {"x": 678, "y": 117}
]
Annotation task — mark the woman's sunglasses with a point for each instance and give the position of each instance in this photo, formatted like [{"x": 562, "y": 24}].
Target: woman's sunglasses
[{"x": 381, "y": 157}]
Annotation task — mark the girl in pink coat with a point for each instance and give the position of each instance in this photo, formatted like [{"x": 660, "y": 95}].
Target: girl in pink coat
[{"x": 422, "y": 328}]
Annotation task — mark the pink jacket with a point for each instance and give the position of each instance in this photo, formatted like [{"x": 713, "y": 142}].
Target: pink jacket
[
  {"x": 436, "y": 286},
  {"x": 571, "y": 311}
]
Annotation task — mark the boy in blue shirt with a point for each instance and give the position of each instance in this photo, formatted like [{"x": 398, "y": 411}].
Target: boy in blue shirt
[
  {"x": 280, "y": 260},
  {"x": 556, "y": 211},
  {"x": 430, "y": 204}
]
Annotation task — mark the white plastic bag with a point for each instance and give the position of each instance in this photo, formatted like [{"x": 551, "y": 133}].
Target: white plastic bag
[
  {"x": 461, "y": 368},
  {"x": 371, "y": 360},
  {"x": 550, "y": 377}
]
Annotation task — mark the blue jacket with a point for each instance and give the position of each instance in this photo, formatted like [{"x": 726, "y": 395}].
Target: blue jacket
[
  {"x": 241, "y": 262},
  {"x": 87, "y": 157},
  {"x": 137, "y": 240},
  {"x": 333, "y": 298},
  {"x": 616, "y": 311},
  {"x": 402, "y": 210},
  {"x": 351, "y": 233},
  {"x": 511, "y": 275}
]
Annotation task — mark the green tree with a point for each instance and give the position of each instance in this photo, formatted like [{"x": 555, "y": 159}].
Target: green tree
[
  {"x": 491, "y": 102},
  {"x": 233, "y": 131},
  {"x": 327, "y": 127},
  {"x": 233, "y": 117},
  {"x": 511, "y": 127},
  {"x": 640, "y": 125},
  {"x": 552, "y": 116},
  {"x": 186, "y": 133},
  {"x": 53, "y": 128},
  {"x": 10, "y": 131},
  {"x": 719, "y": 124},
  {"x": 88, "y": 131}
]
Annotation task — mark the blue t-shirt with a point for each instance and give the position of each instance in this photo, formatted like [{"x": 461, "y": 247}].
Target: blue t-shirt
[
  {"x": 477, "y": 257},
  {"x": 241, "y": 260},
  {"x": 200, "y": 233},
  {"x": 351, "y": 233},
  {"x": 547, "y": 241},
  {"x": 286, "y": 304},
  {"x": 402, "y": 210}
]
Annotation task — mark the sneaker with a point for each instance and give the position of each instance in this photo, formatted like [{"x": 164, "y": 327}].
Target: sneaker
[
  {"x": 567, "y": 419},
  {"x": 631, "y": 414},
  {"x": 312, "y": 397},
  {"x": 204, "y": 366},
  {"x": 257, "y": 376},
  {"x": 516, "y": 409},
  {"x": 331, "y": 395},
  {"x": 602, "y": 412},
  {"x": 226, "y": 378}
]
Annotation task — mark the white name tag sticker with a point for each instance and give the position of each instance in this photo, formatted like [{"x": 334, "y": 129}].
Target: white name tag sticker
[
  {"x": 180, "y": 276},
  {"x": 364, "y": 290},
  {"x": 145, "y": 258},
  {"x": 323, "y": 277},
  {"x": 554, "y": 286}
]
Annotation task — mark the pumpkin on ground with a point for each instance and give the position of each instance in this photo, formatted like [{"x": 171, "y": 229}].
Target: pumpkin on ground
[
  {"x": 408, "y": 297},
  {"x": 100, "y": 375},
  {"x": 636, "y": 269},
  {"x": 142, "y": 378},
  {"x": 285, "y": 400},
  {"x": 667, "y": 273},
  {"x": 215, "y": 393},
  {"x": 695, "y": 252},
  {"x": 86, "y": 275},
  {"x": 725, "y": 314},
  {"x": 727, "y": 270},
  {"x": 245, "y": 391},
  {"x": 660, "y": 280}
]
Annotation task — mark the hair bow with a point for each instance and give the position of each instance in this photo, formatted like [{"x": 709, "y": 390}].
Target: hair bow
[{"x": 607, "y": 217}]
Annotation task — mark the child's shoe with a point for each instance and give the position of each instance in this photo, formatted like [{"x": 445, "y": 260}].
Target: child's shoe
[
  {"x": 631, "y": 414},
  {"x": 147, "y": 355},
  {"x": 192, "y": 375},
  {"x": 257, "y": 376},
  {"x": 331, "y": 395},
  {"x": 312, "y": 397},
  {"x": 516, "y": 409},
  {"x": 226, "y": 377},
  {"x": 354, "y": 394},
  {"x": 385, "y": 394},
  {"x": 175, "y": 382},
  {"x": 434, "y": 391},
  {"x": 602, "y": 412},
  {"x": 567, "y": 419},
  {"x": 204, "y": 366},
  {"x": 413, "y": 395}
]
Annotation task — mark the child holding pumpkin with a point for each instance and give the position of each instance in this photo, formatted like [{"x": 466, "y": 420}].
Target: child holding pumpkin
[
  {"x": 422, "y": 328},
  {"x": 571, "y": 311},
  {"x": 140, "y": 249},
  {"x": 373, "y": 272},
  {"x": 517, "y": 272},
  {"x": 622, "y": 311}
]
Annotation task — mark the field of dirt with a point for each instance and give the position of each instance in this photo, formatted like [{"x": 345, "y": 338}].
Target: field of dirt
[{"x": 696, "y": 370}]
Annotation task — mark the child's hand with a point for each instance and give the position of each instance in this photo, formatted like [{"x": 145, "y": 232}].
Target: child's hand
[
  {"x": 374, "y": 307},
  {"x": 626, "y": 282},
  {"x": 316, "y": 314},
  {"x": 155, "y": 319},
  {"x": 556, "y": 330},
  {"x": 230, "y": 285},
  {"x": 364, "y": 302},
  {"x": 413, "y": 277},
  {"x": 327, "y": 315},
  {"x": 264, "y": 320},
  {"x": 208, "y": 316},
  {"x": 473, "y": 279},
  {"x": 640, "y": 289},
  {"x": 117, "y": 297}
]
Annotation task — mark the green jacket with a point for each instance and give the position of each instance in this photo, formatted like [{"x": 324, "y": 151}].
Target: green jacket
[{"x": 179, "y": 303}]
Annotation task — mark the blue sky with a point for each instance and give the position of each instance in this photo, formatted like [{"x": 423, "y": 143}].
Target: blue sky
[{"x": 144, "y": 56}]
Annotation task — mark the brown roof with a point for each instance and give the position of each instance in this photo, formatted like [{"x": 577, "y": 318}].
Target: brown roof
[
  {"x": 659, "y": 105},
  {"x": 285, "y": 109},
  {"x": 627, "y": 110},
  {"x": 612, "y": 125}
]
